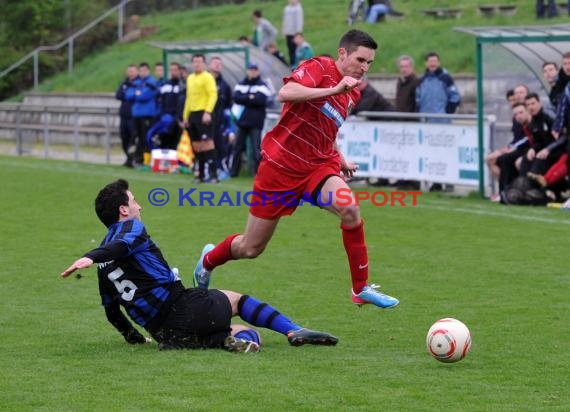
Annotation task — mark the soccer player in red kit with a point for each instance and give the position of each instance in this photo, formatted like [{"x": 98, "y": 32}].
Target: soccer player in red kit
[{"x": 300, "y": 157}]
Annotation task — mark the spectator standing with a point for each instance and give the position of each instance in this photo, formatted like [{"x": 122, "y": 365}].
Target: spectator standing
[
  {"x": 406, "y": 85},
  {"x": 264, "y": 32},
  {"x": 223, "y": 103},
  {"x": 436, "y": 91},
  {"x": 292, "y": 24},
  {"x": 159, "y": 74},
  {"x": 171, "y": 94},
  {"x": 252, "y": 94},
  {"x": 160, "y": 81},
  {"x": 127, "y": 125},
  {"x": 182, "y": 100},
  {"x": 405, "y": 100},
  {"x": 551, "y": 9},
  {"x": 303, "y": 52},
  {"x": 143, "y": 95},
  {"x": 201, "y": 97},
  {"x": 561, "y": 81},
  {"x": 184, "y": 72}
]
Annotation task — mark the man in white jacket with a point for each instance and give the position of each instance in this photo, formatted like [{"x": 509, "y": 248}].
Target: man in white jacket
[
  {"x": 292, "y": 24},
  {"x": 264, "y": 33}
]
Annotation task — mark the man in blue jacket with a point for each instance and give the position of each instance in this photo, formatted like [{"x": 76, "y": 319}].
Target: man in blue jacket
[
  {"x": 127, "y": 125},
  {"x": 436, "y": 92},
  {"x": 143, "y": 95},
  {"x": 165, "y": 132},
  {"x": 251, "y": 96}
]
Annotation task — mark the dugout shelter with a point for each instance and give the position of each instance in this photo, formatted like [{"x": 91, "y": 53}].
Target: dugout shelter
[
  {"x": 235, "y": 57},
  {"x": 507, "y": 56}
]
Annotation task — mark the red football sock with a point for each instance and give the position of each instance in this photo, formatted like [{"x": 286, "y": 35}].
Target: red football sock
[
  {"x": 220, "y": 254},
  {"x": 355, "y": 246},
  {"x": 558, "y": 171}
]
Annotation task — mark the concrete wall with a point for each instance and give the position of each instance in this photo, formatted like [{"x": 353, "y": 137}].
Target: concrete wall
[
  {"x": 60, "y": 123},
  {"x": 101, "y": 100},
  {"x": 93, "y": 125}
]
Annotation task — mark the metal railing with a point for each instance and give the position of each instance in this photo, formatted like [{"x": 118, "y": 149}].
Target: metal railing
[
  {"x": 69, "y": 42},
  {"x": 29, "y": 125}
]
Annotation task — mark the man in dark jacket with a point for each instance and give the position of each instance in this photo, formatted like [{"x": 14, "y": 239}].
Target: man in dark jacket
[
  {"x": 406, "y": 85},
  {"x": 170, "y": 112},
  {"x": 171, "y": 92},
  {"x": 127, "y": 125},
  {"x": 251, "y": 94},
  {"x": 557, "y": 90},
  {"x": 507, "y": 162},
  {"x": 371, "y": 99},
  {"x": 224, "y": 102}
]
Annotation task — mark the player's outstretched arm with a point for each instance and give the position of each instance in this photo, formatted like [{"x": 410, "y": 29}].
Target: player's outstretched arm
[
  {"x": 295, "y": 92},
  {"x": 80, "y": 263},
  {"x": 112, "y": 250}
]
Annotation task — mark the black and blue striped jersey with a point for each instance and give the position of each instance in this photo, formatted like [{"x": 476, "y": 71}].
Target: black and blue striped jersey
[{"x": 133, "y": 273}]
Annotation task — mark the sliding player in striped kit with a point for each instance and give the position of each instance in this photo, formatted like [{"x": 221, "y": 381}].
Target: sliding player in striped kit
[{"x": 133, "y": 274}]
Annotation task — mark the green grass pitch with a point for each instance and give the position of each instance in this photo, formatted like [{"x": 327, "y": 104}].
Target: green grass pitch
[{"x": 503, "y": 271}]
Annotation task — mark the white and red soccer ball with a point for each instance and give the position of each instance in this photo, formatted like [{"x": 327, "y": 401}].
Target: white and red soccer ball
[{"x": 448, "y": 340}]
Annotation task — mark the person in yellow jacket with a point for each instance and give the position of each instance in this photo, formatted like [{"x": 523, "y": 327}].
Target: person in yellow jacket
[{"x": 201, "y": 97}]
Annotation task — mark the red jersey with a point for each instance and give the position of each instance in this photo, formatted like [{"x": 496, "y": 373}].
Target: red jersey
[{"x": 304, "y": 137}]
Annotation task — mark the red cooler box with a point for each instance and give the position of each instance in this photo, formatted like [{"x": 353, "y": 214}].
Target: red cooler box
[{"x": 164, "y": 160}]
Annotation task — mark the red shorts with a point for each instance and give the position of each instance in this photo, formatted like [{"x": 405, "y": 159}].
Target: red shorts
[{"x": 276, "y": 194}]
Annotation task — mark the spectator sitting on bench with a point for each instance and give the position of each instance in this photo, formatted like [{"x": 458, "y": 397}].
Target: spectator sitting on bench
[{"x": 378, "y": 9}]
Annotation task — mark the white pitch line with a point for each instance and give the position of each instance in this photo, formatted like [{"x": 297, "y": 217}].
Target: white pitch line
[
  {"x": 94, "y": 169},
  {"x": 481, "y": 210},
  {"x": 495, "y": 214}
]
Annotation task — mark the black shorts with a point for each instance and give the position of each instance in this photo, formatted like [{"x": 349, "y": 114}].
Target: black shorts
[
  {"x": 197, "y": 130},
  {"x": 198, "y": 319}
]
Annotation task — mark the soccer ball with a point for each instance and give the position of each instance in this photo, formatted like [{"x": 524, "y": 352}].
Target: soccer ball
[{"x": 448, "y": 340}]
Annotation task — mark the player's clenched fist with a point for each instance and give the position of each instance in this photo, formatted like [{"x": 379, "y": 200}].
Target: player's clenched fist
[{"x": 347, "y": 83}]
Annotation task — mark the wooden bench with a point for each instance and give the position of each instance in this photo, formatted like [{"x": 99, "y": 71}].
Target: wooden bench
[
  {"x": 442, "y": 13},
  {"x": 489, "y": 10}
]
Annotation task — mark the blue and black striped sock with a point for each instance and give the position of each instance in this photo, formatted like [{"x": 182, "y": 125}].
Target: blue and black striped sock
[
  {"x": 250, "y": 335},
  {"x": 261, "y": 314}
]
